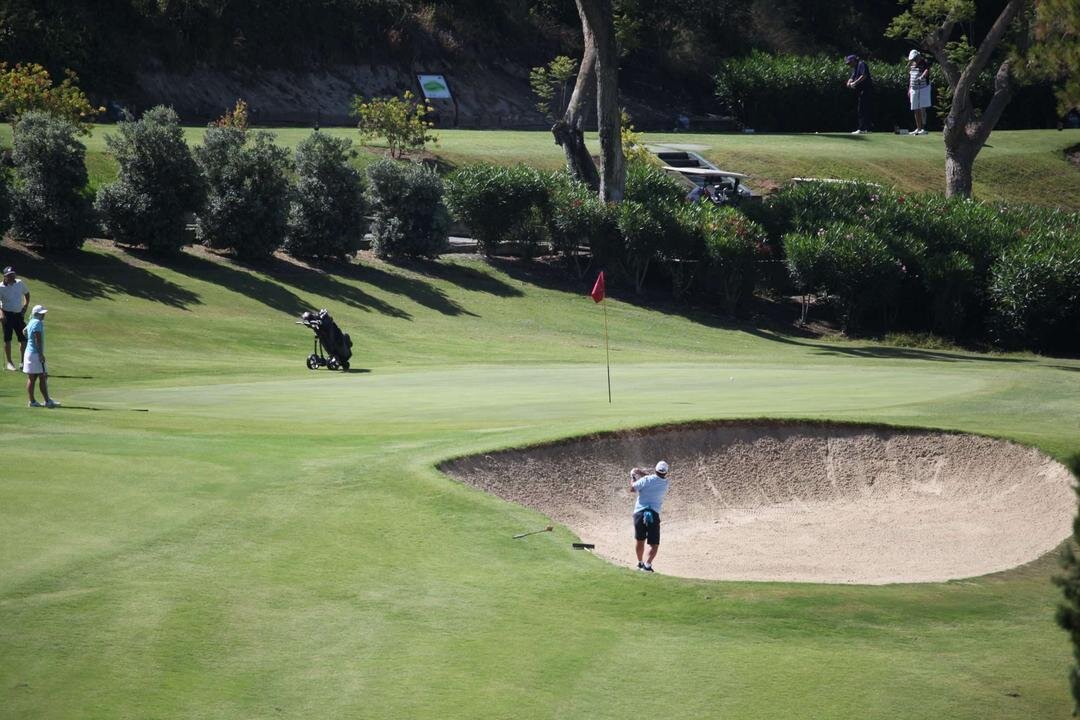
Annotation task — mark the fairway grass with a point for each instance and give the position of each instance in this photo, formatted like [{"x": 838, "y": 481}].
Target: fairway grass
[
  {"x": 207, "y": 529},
  {"x": 1015, "y": 165}
]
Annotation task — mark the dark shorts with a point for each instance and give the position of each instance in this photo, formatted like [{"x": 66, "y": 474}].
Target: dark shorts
[
  {"x": 647, "y": 526},
  {"x": 14, "y": 323}
]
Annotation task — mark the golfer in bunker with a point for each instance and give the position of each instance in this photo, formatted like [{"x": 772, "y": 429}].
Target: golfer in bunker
[{"x": 650, "y": 489}]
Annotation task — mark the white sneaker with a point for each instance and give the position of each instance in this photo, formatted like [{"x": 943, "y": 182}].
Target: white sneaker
[
  {"x": 10, "y": 366},
  {"x": 52, "y": 404},
  {"x": 856, "y": 132},
  {"x": 34, "y": 403}
]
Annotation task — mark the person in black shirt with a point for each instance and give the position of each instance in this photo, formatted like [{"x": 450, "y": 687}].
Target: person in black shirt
[{"x": 863, "y": 85}]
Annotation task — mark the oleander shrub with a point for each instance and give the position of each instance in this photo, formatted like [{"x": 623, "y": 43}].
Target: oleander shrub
[
  {"x": 5, "y": 200},
  {"x": 248, "y": 192},
  {"x": 854, "y": 266},
  {"x": 409, "y": 217},
  {"x": 158, "y": 185},
  {"x": 642, "y": 233},
  {"x": 732, "y": 246},
  {"x": 579, "y": 219},
  {"x": 327, "y": 216},
  {"x": 50, "y": 206},
  {"x": 501, "y": 204},
  {"x": 650, "y": 186},
  {"x": 1035, "y": 293}
]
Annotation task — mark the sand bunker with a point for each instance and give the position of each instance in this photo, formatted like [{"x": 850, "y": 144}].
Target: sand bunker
[{"x": 800, "y": 502}]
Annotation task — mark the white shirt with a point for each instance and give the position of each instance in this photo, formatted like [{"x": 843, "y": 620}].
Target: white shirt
[{"x": 11, "y": 296}]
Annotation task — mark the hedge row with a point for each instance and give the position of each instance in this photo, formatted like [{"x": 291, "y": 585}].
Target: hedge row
[
  {"x": 799, "y": 93},
  {"x": 248, "y": 195},
  {"x": 967, "y": 270},
  {"x": 652, "y": 236}
]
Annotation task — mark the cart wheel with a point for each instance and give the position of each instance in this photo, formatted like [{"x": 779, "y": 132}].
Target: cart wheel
[
  {"x": 332, "y": 364},
  {"x": 344, "y": 366},
  {"x": 313, "y": 362}
]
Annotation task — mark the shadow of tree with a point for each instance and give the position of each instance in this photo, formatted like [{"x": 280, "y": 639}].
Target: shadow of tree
[
  {"x": 420, "y": 292},
  {"x": 887, "y": 352},
  {"x": 465, "y": 277},
  {"x": 88, "y": 275},
  {"x": 247, "y": 284}
]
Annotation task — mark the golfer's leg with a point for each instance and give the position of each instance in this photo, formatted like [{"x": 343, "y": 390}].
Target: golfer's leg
[
  {"x": 640, "y": 549},
  {"x": 7, "y": 351},
  {"x": 652, "y": 554},
  {"x": 30, "y": 380},
  {"x": 44, "y": 386}
]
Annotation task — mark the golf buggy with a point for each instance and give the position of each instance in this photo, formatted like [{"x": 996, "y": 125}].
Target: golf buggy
[{"x": 333, "y": 348}]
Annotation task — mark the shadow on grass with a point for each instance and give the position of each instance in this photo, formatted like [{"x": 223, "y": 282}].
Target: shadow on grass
[
  {"x": 465, "y": 277},
  {"x": 92, "y": 276},
  {"x": 247, "y": 284},
  {"x": 879, "y": 352},
  {"x": 770, "y": 320}
]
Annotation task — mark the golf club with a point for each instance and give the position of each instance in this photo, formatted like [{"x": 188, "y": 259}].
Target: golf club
[{"x": 534, "y": 532}]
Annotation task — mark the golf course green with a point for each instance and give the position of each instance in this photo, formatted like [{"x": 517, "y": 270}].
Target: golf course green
[{"x": 207, "y": 529}]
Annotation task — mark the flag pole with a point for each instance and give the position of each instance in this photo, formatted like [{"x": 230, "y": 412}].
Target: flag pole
[{"x": 607, "y": 350}]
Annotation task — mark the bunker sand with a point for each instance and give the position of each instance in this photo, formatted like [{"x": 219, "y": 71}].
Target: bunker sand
[{"x": 800, "y": 502}]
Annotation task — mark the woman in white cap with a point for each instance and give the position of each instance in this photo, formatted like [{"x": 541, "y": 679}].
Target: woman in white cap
[
  {"x": 34, "y": 358},
  {"x": 918, "y": 89}
]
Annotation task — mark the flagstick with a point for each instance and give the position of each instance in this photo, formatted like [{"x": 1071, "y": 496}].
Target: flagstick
[{"x": 607, "y": 349}]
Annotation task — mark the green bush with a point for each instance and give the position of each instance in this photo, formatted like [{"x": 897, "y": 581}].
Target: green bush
[
  {"x": 799, "y": 93},
  {"x": 247, "y": 204},
  {"x": 5, "y": 200},
  {"x": 326, "y": 219},
  {"x": 579, "y": 218},
  {"x": 1035, "y": 293},
  {"x": 850, "y": 263},
  {"x": 159, "y": 183},
  {"x": 650, "y": 186},
  {"x": 500, "y": 203},
  {"x": 49, "y": 203},
  {"x": 643, "y": 234},
  {"x": 732, "y": 243},
  {"x": 410, "y": 220}
]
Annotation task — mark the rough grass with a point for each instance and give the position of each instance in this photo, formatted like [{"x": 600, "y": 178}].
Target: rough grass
[
  {"x": 270, "y": 542},
  {"x": 1018, "y": 166}
]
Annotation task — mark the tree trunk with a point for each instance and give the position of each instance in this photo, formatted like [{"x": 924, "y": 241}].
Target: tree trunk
[
  {"x": 596, "y": 16},
  {"x": 959, "y": 160},
  {"x": 569, "y": 132}
]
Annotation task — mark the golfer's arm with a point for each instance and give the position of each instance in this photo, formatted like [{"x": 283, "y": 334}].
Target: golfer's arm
[
  {"x": 39, "y": 343},
  {"x": 26, "y": 301}
]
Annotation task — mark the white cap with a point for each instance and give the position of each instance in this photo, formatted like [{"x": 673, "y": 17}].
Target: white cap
[
  {"x": 913, "y": 54},
  {"x": 39, "y": 310},
  {"x": 661, "y": 468}
]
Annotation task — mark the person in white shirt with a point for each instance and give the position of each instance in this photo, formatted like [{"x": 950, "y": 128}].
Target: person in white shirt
[
  {"x": 650, "y": 489},
  {"x": 14, "y": 299},
  {"x": 918, "y": 89}
]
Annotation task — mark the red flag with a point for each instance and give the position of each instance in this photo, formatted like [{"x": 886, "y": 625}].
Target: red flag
[{"x": 597, "y": 293}]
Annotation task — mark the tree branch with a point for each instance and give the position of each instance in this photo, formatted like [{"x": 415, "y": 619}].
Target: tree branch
[
  {"x": 988, "y": 45},
  {"x": 1003, "y": 92}
]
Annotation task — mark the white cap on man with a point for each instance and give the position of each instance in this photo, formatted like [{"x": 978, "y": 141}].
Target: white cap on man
[
  {"x": 913, "y": 54},
  {"x": 39, "y": 310},
  {"x": 661, "y": 468}
]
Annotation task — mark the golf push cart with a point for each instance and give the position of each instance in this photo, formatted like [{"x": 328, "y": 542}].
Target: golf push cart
[{"x": 333, "y": 348}]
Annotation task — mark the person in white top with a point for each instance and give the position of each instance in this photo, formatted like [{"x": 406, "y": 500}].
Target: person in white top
[
  {"x": 14, "y": 299},
  {"x": 918, "y": 89},
  {"x": 650, "y": 489}
]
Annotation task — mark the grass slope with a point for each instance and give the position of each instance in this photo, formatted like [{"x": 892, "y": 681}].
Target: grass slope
[
  {"x": 270, "y": 542},
  {"x": 1020, "y": 166}
]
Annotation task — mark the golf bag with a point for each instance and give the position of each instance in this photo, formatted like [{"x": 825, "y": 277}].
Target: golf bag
[{"x": 333, "y": 348}]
